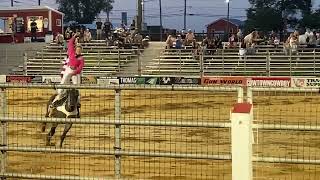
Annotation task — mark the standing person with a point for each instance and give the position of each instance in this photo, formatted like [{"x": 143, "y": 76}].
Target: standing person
[
  {"x": 34, "y": 29},
  {"x": 99, "y": 29},
  {"x": 189, "y": 38},
  {"x": 75, "y": 64},
  {"x": 107, "y": 28}
]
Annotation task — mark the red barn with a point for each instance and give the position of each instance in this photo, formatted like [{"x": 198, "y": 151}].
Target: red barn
[
  {"x": 220, "y": 26},
  {"x": 15, "y": 23}
]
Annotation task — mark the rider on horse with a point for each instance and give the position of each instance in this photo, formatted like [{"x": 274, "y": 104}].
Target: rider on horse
[{"x": 73, "y": 69}]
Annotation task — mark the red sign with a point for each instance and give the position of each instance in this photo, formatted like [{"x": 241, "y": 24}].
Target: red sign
[
  {"x": 223, "y": 81},
  {"x": 19, "y": 79},
  {"x": 269, "y": 82}
]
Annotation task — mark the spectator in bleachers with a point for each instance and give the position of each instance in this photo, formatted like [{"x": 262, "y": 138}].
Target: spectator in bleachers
[
  {"x": 145, "y": 42},
  {"x": 107, "y": 27},
  {"x": 250, "y": 39},
  {"x": 189, "y": 38},
  {"x": 232, "y": 41},
  {"x": 67, "y": 33},
  {"x": 87, "y": 36},
  {"x": 179, "y": 42},
  {"x": 59, "y": 39},
  {"x": 169, "y": 42},
  {"x": 239, "y": 35},
  {"x": 99, "y": 29},
  {"x": 183, "y": 35},
  {"x": 293, "y": 42},
  {"x": 276, "y": 42}
]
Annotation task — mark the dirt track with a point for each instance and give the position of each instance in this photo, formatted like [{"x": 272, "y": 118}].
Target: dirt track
[{"x": 277, "y": 108}]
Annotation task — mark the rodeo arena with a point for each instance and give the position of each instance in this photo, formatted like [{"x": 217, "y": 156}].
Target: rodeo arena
[{"x": 117, "y": 103}]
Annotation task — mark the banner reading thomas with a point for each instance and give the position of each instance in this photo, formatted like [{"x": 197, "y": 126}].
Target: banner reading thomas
[
  {"x": 223, "y": 81},
  {"x": 269, "y": 82}
]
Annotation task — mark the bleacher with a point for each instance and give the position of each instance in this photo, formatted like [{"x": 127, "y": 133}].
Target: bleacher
[
  {"x": 100, "y": 60},
  {"x": 267, "y": 61}
]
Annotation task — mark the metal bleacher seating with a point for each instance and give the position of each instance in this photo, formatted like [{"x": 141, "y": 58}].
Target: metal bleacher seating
[
  {"x": 100, "y": 60},
  {"x": 267, "y": 61}
]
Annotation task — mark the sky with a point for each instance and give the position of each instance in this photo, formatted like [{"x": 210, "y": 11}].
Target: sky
[{"x": 205, "y": 11}]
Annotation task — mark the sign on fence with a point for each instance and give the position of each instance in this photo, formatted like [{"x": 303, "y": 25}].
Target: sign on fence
[
  {"x": 22, "y": 79},
  {"x": 107, "y": 81},
  {"x": 179, "y": 80},
  {"x": 269, "y": 82},
  {"x": 3, "y": 79},
  {"x": 88, "y": 80},
  {"x": 139, "y": 80},
  {"x": 51, "y": 79},
  {"x": 223, "y": 81},
  {"x": 305, "y": 82}
]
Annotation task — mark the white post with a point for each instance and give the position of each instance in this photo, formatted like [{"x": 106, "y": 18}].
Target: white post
[
  {"x": 241, "y": 141},
  {"x": 240, "y": 95},
  {"x": 117, "y": 135}
]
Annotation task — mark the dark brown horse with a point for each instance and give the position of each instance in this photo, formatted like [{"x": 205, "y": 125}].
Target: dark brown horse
[{"x": 67, "y": 107}]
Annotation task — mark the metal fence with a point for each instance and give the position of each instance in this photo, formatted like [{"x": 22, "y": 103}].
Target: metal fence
[
  {"x": 134, "y": 132},
  {"x": 286, "y": 133}
]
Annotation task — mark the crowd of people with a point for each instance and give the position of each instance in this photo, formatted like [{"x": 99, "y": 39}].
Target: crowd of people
[{"x": 119, "y": 37}]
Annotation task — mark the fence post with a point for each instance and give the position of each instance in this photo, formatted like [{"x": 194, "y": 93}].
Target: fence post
[
  {"x": 117, "y": 134},
  {"x": 268, "y": 64},
  {"x": 240, "y": 95},
  {"x": 241, "y": 141},
  {"x": 25, "y": 63},
  {"x": 201, "y": 63},
  {"x": 3, "y": 131},
  {"x": 139, "y": 66}
]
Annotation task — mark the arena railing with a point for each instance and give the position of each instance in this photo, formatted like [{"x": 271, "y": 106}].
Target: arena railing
[{"x": 143, "y": 122}]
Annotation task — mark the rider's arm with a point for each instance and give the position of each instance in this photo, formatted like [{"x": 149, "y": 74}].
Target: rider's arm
[{"x": 71, "y": 50}]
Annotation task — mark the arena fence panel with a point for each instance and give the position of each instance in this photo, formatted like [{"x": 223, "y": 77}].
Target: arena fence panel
[
  {"x": 286, "y": 133},
  {"x": 139, "y": 132}
]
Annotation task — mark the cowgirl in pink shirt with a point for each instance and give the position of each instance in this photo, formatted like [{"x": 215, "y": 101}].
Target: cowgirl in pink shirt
[{"x": 73, "y": 68}]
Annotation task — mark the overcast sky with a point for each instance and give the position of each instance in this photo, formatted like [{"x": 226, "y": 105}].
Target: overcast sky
[{"x": 204, "y": 11}]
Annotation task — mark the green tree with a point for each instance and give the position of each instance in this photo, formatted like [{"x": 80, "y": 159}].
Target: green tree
[
  {"x": 108, "y": 8},
  {"x": 82, "y": 11},
  {"x": 269, "y": 15}
]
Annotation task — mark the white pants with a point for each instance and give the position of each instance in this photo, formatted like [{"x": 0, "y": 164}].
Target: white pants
[{"x": 67, "y": 76}]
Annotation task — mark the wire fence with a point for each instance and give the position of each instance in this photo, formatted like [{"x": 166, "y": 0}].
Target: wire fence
[
  {"x": 133, "y": 132},
  {"x": 288, "y": 133}
]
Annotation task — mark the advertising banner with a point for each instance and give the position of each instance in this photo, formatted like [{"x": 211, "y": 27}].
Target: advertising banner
[
  {"x": 51, "y": 79},
  {"x": 139, "y": 80},
  {"x": 223, "y": 81},
  {"x": 269, "y": 82},
  {"x": 107, "y": 81},
  {"x": 88, "y": 80},
  {"x": 19, "y": 79},
  {"x": 179, "y": 80},
  {"x": 305, "y": 82},
  {"x": 3, "y": 78}
]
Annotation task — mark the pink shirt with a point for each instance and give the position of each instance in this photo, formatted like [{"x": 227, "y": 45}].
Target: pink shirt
[{"x": 74, "y": 62}]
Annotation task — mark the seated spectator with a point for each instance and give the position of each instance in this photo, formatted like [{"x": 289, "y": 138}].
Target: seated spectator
[
  {"x": 68, "y": 33},
  {"x": 232, "y": 41},
  {"x": 59, "y": 39},
  {"x": 276, "y": 41},
  {"x": 250, "y": 39},
  {"x": 179, "y": 42},
  {"x": 87, "y": 36},
  {"x": 169, "y": 42},
  {"x": 138, "y": 39},
  {"x": 145, "y": 42}
]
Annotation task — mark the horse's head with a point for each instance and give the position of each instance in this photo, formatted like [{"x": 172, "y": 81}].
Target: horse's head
[{"x": 72, "y": 99}]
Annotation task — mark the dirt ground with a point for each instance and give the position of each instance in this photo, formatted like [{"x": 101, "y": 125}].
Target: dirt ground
[{"x": 279, "y": 108}]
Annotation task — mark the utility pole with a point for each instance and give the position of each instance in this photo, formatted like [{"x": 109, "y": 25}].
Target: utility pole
[
  {"x": 39, "y": 2},
  {"x": 11, "y": 3},
  {"x": 228, "y": 19},
  {"x": 185, "y": 15},
  {"x": 160, "y": 20},
  {"x": 139, "y": 15}
]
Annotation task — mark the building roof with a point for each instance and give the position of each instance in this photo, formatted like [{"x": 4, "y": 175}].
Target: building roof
[
  {"x": 31, "y": 8},
  {"x": 236, "y": 22}
]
